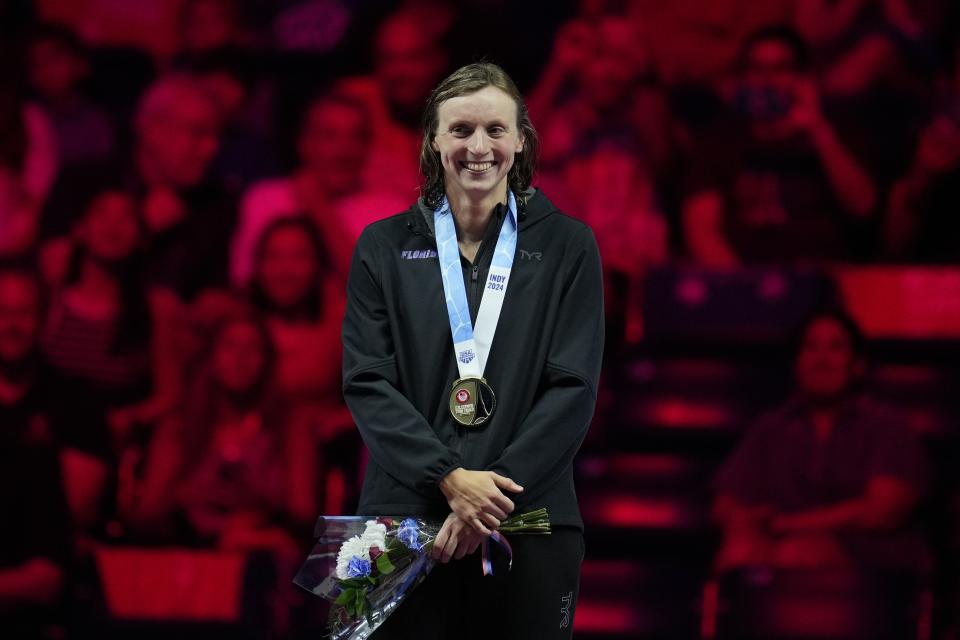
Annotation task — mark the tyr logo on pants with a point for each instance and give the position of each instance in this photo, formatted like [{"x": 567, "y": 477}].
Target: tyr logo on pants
[{"x": 565, "y": 603}]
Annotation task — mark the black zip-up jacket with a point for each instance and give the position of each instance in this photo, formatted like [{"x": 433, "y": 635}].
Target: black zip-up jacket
[{"x": 544, "y": 364}]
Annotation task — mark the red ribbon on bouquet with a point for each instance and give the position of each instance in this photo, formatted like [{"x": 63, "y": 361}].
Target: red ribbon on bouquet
[{"x": 500, "y": 539}]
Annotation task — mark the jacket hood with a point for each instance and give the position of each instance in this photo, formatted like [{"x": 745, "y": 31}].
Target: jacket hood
[{"x": 533, "y": 206}]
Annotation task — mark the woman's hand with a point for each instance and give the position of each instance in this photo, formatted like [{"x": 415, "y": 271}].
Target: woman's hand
[
  {"x": 476, "y": 497},
  {"x": 455, "y": 540}
]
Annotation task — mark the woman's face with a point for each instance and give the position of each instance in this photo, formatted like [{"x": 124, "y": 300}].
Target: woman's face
[
  {"x": 239, "y": 357},
  {"x": 477, "y": 139},
  {"x": 288, "y": 267},
  {"x": 826, "y": 365},
  {"x": 110, "y": 231}
]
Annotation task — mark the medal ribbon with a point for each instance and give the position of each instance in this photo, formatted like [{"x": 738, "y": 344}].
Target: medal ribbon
[{"x": 472, "y": 344}]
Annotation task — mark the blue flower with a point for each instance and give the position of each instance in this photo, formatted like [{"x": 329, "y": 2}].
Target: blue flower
[
  {"x": 409, "y": 534},
  {"x": 358, "y": 568}
]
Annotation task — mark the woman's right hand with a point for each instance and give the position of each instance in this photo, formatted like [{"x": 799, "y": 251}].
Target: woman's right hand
[{"x": 477, "y": 498}]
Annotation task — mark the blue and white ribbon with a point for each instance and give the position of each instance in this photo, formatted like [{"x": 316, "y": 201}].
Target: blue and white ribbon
[{"x": 472, "y": 344}]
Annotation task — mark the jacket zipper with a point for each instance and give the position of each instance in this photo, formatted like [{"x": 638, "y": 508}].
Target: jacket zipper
[{"x": 474, "y": 278}]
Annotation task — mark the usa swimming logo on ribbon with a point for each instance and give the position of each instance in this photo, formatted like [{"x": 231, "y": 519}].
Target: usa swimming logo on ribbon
[{"x": 467, "y": 356}]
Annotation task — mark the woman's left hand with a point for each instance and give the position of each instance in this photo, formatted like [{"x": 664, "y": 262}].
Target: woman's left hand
[{"x": 455, "y": 540}]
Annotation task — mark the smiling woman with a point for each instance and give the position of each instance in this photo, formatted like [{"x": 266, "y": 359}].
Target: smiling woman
[
  {"x": 464, "y": 423},
  {"x": 482, "y": 108},
  {"x": 477, "y": 144}
]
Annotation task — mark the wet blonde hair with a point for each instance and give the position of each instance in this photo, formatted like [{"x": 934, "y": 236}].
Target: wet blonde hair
[{"x": 465, "y": 81}]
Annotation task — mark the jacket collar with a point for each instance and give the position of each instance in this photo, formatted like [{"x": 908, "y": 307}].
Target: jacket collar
[{"x": 532, "y": 204}]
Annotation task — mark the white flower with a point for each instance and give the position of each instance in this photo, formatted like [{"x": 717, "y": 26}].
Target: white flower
[
  {"x": 354, "y": 547},
  {"x": 375, "y": 535}
]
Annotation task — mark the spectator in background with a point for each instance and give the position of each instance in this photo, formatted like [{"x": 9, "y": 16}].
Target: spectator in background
[
  {"x": 303, "y": 307},
  {"x": 600, "y": 91},
  {"x": 102, "y": 327},
  {"x": 303, "y": 304},
  {"x": 922, "y": 223},
  {"x": 28, "y": 167},
  {"x": 859, "y": 43},
  {"x": 409, "y": 59},
  {"x": 605, "y": 122},
  {"x": 55, "y": 449},
  {"x": 828, "y": 480},
  {"x": 777, "y": 180},
  {"x": 58, "y": 65},
  {"x": 328, "y": 185},
  {"x": 189, "y": 215},
  {"x": 232, "y": 76},
  {"x": 230, "y": 465}
]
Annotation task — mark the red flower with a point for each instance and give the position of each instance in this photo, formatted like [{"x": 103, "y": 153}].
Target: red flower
[{"x": 375, "y": 552}]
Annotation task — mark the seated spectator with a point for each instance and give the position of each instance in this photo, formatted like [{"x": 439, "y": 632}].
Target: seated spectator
[
  {"x": 303, "y": 304},
  {"x": 328, "y": 186},
  {"x": 28, "y": 166},
  {"x": 230, "y": 468},
  {"x": 102, "y": 324},
  {"x": 922, "y": 223},
  {"x": 58, "y": 65},
  {"x": 303, "y": 307},
  {"x": 189, "y": 216},
  {"x": 777, "y": 181},
  {"x": 51, "y": 427},
  {"x": 828, "y": 480}
]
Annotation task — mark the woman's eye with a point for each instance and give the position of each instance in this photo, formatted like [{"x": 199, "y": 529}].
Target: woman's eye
[
  {"x": 497, "y": 131},
  {"x": 460, "y": 132}
]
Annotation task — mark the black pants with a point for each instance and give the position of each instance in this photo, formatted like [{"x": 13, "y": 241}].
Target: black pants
[{"x": 536, "y": 599}]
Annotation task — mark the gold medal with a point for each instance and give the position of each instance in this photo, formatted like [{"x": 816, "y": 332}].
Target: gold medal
[{"x": 472, "y": 401}]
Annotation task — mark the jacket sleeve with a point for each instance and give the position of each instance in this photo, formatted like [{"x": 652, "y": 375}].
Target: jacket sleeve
[
  {"x": 399, "y": 438},
  {"x": 551, "y": 434}
]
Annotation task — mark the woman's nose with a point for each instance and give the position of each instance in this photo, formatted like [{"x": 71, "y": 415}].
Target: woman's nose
[{"x": 478, "y": 144}]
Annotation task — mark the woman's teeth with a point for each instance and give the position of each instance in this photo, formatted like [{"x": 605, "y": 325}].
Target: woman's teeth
[{"x": 478, "y": 166}]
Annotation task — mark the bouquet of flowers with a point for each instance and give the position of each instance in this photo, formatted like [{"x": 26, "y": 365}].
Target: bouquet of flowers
[{"x": 366, "y": 567}]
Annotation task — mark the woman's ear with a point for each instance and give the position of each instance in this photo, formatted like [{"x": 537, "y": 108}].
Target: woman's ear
[
  {"x": 520, "y": 140},
  {"x": 434, "y": 145}
]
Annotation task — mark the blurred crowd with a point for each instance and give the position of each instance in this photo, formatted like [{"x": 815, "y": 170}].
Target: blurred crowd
[{"x": 182, "y": 182}]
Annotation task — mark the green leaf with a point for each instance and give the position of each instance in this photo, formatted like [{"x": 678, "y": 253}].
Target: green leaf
[
  {"x": 345, "y": 596},
  {"x": 384, "y": 565},
  {"x": 361, "y": 605}
]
